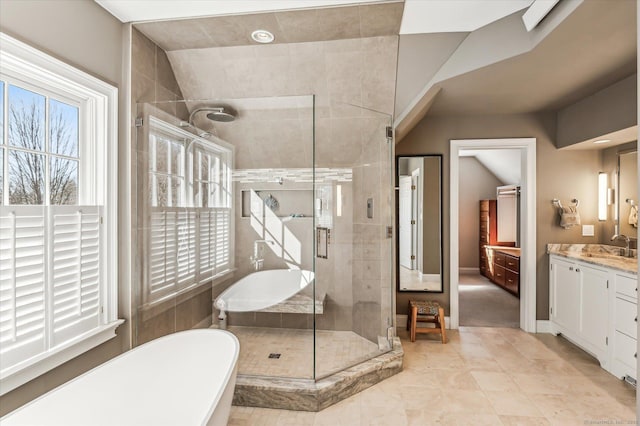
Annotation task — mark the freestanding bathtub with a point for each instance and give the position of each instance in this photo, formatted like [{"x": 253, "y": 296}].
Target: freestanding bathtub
[
  {"x": 185, "y": 378},
  {"x": 263, "y": 289}
]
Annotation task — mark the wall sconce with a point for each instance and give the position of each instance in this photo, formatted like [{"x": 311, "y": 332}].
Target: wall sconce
[{"x": 602, "y": 196}]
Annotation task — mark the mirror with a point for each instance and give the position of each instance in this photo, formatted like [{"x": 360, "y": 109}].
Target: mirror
[
  {"x": 627, "y": 194},
  {"x": 419, "y": 223}
]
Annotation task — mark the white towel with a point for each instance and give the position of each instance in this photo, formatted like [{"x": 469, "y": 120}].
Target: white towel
[
  {"x": 569, "y": 217},
  {"x": 633, "y": 216}
]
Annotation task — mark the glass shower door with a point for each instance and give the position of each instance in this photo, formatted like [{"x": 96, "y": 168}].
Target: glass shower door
[{"x": 353, "y": 210}]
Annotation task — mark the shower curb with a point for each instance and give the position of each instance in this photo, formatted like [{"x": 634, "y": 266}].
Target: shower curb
[{"x": 307, "y": 395}]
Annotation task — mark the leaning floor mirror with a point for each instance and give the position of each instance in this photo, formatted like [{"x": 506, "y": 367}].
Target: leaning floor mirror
[{"x": 419, "y": 223}]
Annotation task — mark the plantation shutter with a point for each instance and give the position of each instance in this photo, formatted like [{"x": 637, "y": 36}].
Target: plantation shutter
[
  {"x": 186, "y": 254},
  {"x": 22, "y": 283},
  {"x": 207, "y": 237},
  {"x": 75, "y": 271},
  {"x": 223, "y": 238},
  {"x": 163, "y": 268}
]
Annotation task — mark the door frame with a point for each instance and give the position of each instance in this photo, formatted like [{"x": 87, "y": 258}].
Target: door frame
[
  {"x": 401, "y": 219},
  {"x": 528, "y": 224},
  {"x": 416, "y": 229}
]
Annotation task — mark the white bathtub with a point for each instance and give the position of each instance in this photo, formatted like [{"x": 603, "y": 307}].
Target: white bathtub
[
  {"x": 263, "y": 289},
  {"x": 185, "y": 378}
]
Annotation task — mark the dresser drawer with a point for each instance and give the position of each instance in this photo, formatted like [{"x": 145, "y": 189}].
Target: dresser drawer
[
  {"x": 626, "y": 314},
  {"x": 499, "y": 259},
  {"x": 625, "y": 349},
  {"x": 499, "y": 274},
  {"x": 512, "y": 263},
  {"x": 511, "y": 280},
  {"x": 627, "y": 286}
]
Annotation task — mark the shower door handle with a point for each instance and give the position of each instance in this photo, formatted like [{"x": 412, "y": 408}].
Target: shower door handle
[{"x": 322, "y": 242}]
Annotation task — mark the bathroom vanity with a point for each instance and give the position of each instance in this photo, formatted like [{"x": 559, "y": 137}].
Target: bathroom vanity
[{"x": 593, "y": 296}]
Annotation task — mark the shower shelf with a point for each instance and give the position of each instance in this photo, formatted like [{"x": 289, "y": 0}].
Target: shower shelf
[{"x": 300, "y": 303}]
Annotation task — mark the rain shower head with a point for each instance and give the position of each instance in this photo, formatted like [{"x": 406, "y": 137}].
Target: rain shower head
[{"x": 221, "y": 114}]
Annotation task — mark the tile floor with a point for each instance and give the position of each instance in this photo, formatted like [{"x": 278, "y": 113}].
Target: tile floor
[
  {"x": 411, "y": 280},
  {"x": 483, "y": 376},
  {"x": 336, "y": 350}
]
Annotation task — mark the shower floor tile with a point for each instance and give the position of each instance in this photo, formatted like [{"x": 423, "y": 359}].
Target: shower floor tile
[{"x": 336, "y": 350}]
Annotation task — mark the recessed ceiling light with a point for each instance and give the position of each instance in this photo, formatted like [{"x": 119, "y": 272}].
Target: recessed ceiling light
[
  {"x": 602, "y": 141},
  {"x": 262, "y": 36}
]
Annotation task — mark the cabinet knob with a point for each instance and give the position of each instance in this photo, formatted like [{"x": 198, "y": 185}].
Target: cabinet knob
[
  {"x": 577, "y": 269},
  {"x": 571, "y": 268},
  {"x": 635, "y": 355}
]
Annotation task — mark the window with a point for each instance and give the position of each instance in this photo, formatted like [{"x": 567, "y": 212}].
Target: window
[
  {"x": 58, "y": 147},
  {"x": 189, "y": 236}
]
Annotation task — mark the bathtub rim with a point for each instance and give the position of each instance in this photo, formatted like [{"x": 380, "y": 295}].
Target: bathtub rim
[
  {"x": 219, "y": 298},
  {"x": 228, "y": 376}
]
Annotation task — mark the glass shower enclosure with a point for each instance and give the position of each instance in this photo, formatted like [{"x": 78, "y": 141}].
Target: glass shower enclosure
[{"x": 231, "y": 188}]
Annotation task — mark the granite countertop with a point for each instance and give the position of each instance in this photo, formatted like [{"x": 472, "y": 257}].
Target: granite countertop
[
  {"x": 597, "y": 254},
  {"x": 513, "y": 251}
]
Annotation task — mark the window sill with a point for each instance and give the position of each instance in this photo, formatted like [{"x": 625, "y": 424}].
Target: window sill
[{"x": 36, "y": 366}]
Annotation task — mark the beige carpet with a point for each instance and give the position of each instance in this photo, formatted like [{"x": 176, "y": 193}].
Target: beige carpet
[{"x": 484, "y": 304}]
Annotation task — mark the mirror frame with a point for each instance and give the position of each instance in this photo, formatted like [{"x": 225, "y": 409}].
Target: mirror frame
[
  {"x": 397, "y": 223},
  {"x": 617, "y": 199}
]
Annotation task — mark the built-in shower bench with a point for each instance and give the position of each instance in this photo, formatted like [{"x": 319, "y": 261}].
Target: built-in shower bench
[{"x": 300, "y": 303}]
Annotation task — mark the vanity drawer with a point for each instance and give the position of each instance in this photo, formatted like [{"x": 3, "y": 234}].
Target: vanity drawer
[
  {"x": 498, "y": 274},
  {"x": 499, "y": 259},
  {"x": 625, "y": 349},
  {"x": 511, "y": 280},
  {"x": 512, "y": 263},
  {"x": 627, "y": 286},
  {"x": 626, "y": 314}
]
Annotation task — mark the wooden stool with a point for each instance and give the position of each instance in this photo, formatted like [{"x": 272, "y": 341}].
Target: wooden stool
[{"x": 426, "y": 311}]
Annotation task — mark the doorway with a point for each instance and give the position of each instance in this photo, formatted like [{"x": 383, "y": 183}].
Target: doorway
[{"x": 527, "y": 304}]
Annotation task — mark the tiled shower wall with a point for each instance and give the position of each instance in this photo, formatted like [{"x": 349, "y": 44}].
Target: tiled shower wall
[
  {"x": 152, "y": 80},
  {"x": 357, "y": 275}
]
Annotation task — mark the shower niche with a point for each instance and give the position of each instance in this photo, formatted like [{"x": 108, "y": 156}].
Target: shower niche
[{"x": 285, "y": 203}]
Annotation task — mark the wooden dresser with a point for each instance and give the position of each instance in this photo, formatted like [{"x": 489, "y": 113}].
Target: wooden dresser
[{"x": 499, "y": 261}]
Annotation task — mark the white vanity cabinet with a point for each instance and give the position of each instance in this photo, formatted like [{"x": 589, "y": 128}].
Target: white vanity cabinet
[
  {"x": 579, "y": 308},
  {"x": 625, "y": 325}
]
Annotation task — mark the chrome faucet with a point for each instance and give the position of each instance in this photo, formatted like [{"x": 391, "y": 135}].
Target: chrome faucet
[
  {"x": 627, "y": 250},
  {"x": 256, "y": 259}
]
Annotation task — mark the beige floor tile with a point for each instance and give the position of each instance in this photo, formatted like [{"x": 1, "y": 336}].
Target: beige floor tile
[
  {"x": 524, "y": 421},
  {"x": 466, "y": 401},
  {"x": 512, "y": 403},
  {"x": 468, "y": 419},
  {"x": 536, "y": 380},
  {"x": 494, "y": 381}
]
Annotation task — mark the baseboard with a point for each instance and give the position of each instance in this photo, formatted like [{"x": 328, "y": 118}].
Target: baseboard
[
  {"x": 469, "y": 270},
  {"x": 401, "y": 321},
  {"x": 543, "y": 326}
]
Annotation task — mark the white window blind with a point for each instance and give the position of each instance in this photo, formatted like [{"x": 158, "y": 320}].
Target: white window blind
[
  {"x": 189, "y": 235},
  {"x": 75, "y": 270},
  {"x": 58, "y": 211},
  {"x": 22, "y": 283}
]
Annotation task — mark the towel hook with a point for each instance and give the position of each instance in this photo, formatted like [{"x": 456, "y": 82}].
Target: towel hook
[
  {"x": 576, "y": 202},
  {"x": 630, "y": 202},
  {"x": 556, "y": 203}
]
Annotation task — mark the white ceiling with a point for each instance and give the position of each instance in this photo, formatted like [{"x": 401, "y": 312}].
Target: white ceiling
[
  {"x": 443, "y": 16},
  {"x": 420, "y": 16},
  {"x": 503, "y": 163},
  {"x": 151, "y": 10}
]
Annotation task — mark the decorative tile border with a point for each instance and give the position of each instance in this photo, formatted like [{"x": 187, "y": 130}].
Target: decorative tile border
[{"x": 322, "y": 175}]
